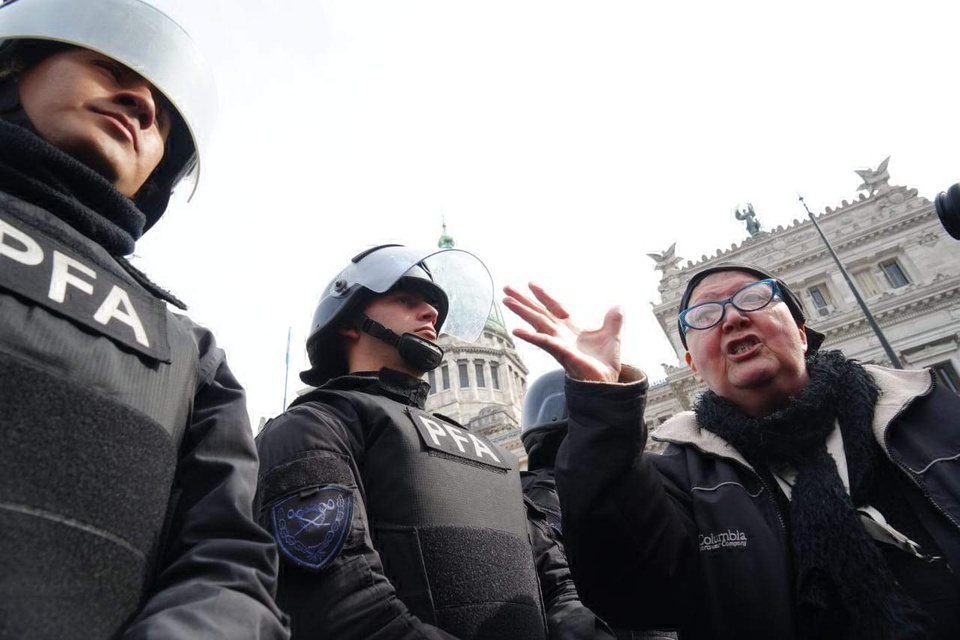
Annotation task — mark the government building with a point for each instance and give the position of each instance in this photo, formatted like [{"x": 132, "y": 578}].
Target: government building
[{"x": 481, "y": 384}]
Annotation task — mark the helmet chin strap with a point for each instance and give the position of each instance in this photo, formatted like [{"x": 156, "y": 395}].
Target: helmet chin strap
[{"x": 420, "y": 354}]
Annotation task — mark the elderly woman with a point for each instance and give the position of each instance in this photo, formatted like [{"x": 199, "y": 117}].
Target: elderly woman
[{"x": 805, "y": 496}]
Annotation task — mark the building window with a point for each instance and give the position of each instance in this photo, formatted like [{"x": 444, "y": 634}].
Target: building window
[
  {"x": 821, "y": 299},
  {"x": 445, "y": 375},
  {"x": 464, "y": 375},
  {"x": 947, "y": 376},
  {"x": 495, "y": 375},
  {"x": 481, "y": 379},
  {"x": 432, "y": 381},
  {"x": 895, "y": 274},
  {"x": 867, "y": 282}
]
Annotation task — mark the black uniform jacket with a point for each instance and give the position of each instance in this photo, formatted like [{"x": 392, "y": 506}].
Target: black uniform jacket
[
  {"x": 394, "y": 523},
  {"x": 694, "y": 536},
  {"x": 567, "y": 617},
  {"x": 127, "y": 463}
]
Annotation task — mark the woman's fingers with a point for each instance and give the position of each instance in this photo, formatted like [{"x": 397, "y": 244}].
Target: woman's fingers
[
  {"x": 613, "y": 321},
  {"x": 549, "y": 302},
  {"x": 523, "y": 299},
  {"x": 536, "y": 319}
]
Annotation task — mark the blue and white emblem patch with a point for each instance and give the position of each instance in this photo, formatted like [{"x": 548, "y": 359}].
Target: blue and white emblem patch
[
  {"x": 310, "y": 528},
  {"x": 554, "y": 521}
]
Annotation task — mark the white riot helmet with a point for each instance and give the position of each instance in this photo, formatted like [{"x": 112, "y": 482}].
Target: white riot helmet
[
  {"x": 454, "y": 281},
  {"x": 150, "y": 43}
]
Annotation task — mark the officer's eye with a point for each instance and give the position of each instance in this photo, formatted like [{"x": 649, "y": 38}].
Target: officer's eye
[
  {"x": 162, "y": 115},
  {"x": 112, "y": 68}
]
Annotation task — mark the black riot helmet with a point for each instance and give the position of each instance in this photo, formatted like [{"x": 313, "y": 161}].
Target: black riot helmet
[
  {"x": 543, "y": 425},
  {"x": 140, "y": 37},
  {"x": 455, "y": 282}
]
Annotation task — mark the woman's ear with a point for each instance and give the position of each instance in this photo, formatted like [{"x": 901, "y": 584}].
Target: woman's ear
[{"x": 692, "y": 365}]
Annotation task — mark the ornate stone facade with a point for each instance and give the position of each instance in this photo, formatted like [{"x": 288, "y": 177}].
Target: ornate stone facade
[
  {"x": 905, "y": 266},
  {"x": 481, "y": 384}
]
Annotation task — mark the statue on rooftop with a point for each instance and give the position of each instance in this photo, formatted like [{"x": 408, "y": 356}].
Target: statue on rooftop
[
  {"x": 666, "y": 261},
  {"x": 874, "y": 180},
  {"x": 746, "y": 213}
]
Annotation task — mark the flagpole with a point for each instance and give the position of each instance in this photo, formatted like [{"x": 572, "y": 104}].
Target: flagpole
[
  {"x": 286, "y": 370},
  {"x": 891, "y": 354}
]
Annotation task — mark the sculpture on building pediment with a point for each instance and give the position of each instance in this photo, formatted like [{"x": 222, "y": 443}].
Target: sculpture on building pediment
[
  {"x": 874, "y": 180},
  {"x": 666, "y": 261},
  {"x": 746, "y": 213}
]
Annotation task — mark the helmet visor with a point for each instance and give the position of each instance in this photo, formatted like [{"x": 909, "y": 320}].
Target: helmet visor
[{"x": 461, "y": 275}]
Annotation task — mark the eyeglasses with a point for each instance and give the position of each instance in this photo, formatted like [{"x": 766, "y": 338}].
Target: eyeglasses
[{"x": 752, "y": 297}]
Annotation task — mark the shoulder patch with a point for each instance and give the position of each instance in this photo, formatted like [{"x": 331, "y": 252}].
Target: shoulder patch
[
  {"x": 311, "y": 526},
  {"x": 555, "y": 523}
]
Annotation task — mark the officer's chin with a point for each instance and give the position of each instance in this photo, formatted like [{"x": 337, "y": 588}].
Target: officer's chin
[{"x": 95, "y": 155}]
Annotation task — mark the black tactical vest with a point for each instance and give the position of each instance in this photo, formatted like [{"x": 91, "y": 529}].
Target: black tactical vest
[
  {"x": 96, "y": 386},
  {"x": 447, "y": 517}
]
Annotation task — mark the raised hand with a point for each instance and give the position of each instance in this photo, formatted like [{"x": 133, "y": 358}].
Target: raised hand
[{"x": 592, "y": 355}]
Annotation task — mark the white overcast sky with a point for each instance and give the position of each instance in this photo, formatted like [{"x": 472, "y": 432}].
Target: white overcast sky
[{"x": 563, "y": 141}]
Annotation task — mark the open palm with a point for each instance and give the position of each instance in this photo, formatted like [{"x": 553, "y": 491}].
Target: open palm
[{"x": 584, "y": 354}]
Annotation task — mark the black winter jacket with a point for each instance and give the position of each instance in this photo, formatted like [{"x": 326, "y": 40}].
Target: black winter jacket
[
  {"x": 693, "y": 537},
  {"x": 567, "y": 618}
]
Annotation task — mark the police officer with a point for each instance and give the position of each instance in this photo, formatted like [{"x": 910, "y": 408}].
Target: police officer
[
  {"x": 392, "y": 522},
  {"x": 543, "y": 426},
  {"x": 127, "y": 464},
  {"x": 543, "y": 429}
]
